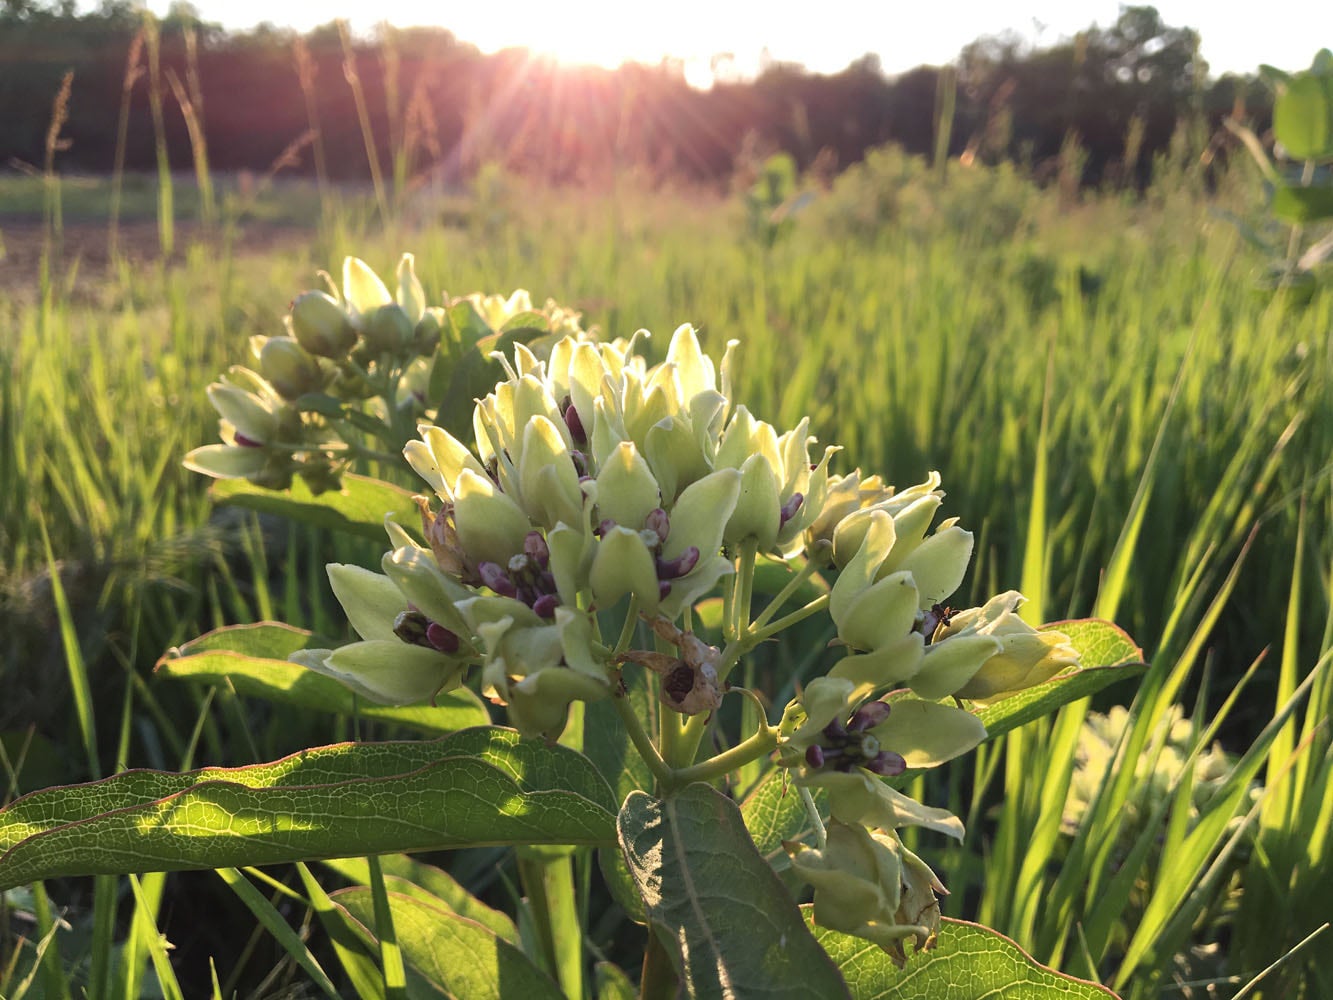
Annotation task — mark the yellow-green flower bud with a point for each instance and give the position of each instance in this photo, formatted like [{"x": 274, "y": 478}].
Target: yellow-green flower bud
[
  {"x": 411, "y": 297},
  {"x": 321, "y": 326},
  {"x": 857, "y": 796},
  {"x": 1027, "y": 656},
  {"x": 857, "y": 877},
  {"x": 255, "y": 420},
  {"x": 362, "y": 289},
  {"x": 626, "y": 489},
  {"x": 387, "y": 329},
  {"x": 624, "y": 565},
  {"x": 289, "y": 368},
  {"x": 490, "y": 526}
]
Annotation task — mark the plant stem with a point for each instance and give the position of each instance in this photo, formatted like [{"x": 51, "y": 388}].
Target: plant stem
[
  {"x": 762, "y": 742},
  {"x": 642, "y": 742},
  {"x": 659, "y": 978},
  {"x": 787, "y": 621},
  {"x": 785, "y": 594},
  {"x": 627, "y": 630},
  {"x": 548, "y": 882},
  {"x": 821, "y": 835}
]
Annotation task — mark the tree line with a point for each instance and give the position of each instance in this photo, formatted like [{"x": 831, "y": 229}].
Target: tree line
[{"x": 426, "y": 101}]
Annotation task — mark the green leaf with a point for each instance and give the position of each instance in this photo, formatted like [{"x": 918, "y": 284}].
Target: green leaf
[
  {"x": 1293, "y": 203},
  {"x": 608, "y": 746},
  {"x": 1303, "y": 117},
  {"x": 1108, "y": 655},
  {"x": 472, "y": 378},
  {"x": 969, "y": 962},
  {"x": 612, "y": 983},
  {"x": 357, "y": 962},
  {"x": 528, "y": 321},
  {"x": 319, "y": 402},
  {"x": 734, "y": 928},
  {"x": 459, "y": 957},
  {"x": 430, "y": 884},
  {"x": 254, "y": 659},
  {"x": 478, "y": 786},
  {"x": 358, "y": 508},
  {"x": 773, "y": 812}
]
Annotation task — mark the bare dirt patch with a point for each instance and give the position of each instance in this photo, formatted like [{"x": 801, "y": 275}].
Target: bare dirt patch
[{"x": 85, "y": 248}]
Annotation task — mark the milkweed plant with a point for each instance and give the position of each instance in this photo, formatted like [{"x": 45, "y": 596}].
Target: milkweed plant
[{"x": 589, "y": 524}]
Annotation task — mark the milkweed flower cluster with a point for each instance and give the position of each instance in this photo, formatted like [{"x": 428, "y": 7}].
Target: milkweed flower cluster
[
  {"x": 354, "y": 366},
  {"x": 595, "y": 482}
]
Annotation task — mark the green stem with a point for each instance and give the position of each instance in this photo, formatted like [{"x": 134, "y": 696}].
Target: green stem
[
  {"x": 763, "y": 742},
  {"x": 642, "y": 742},
  {"x": 787, "y": 621},
  {"x": 627, "y": 630},
  {"x": 391, "y": 957},
  {"x": 785, "y": 594},
  {"x": 548, "y": 882},
  {"x": 821, "y": 835}
]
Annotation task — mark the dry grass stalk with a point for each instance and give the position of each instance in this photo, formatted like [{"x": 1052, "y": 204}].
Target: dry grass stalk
[
  {"x": 54, "y": 144},
  {"x": 363, "y": 115},
  {"x": 306, "y": 71},
  {"x": 133, "y": 70}
]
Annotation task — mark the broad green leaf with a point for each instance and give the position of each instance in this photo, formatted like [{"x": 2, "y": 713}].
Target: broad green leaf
[
  {"x": 254, "y": 658},
  {"x": 1293, "y": 203},
  {"x": 473, "y": 377},
  {"x": 608, "y": 746},
  {"x": 358, "y": 508},
  {"x": 733, "y": 927},
  {"x": 969, "y": 962},
  {"x": 773, "y": 812},
  {"x": 458, "y": 957},
  {"x": 1303, "y": 117},
  {"x": 433, "y": 885},
  {"x": 1107, "y": 654},
  {"x": 478, "y": 786}
]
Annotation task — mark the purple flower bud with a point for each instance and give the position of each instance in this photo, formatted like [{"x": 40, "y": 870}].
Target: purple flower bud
[
  {"x": 246, "y": 442},
  {"x": 663, "y": 589},
  {"x": 441, "y": 638},
  {"x": 580, "y": 461},
  {"x": 575, "y": 424},
  {"x": 868, "y": 716},
  {"x": 836, "y": 731},
  {"x": 671, "y": 569},
  {"x": 814, "y": 756},
  {"x": 789, "y": 509},
  {"x": 604, "y": 527},
  {"x": 658, "y": 521},
  {"x": 545, "y": 605},
  {"x": 534, "y": 545},
  {"x": 493, "y": 576},
  {"x": 886, "y": 764}
]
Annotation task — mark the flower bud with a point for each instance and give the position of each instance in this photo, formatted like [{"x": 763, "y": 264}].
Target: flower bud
[
  {"x": 289, "y": 368},
  {"x": 387, "y": 330},
  {"x": 321, "y": 326}
]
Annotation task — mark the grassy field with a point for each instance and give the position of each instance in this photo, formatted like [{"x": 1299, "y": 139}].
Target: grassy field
[{"x": 1131, "y": 428}]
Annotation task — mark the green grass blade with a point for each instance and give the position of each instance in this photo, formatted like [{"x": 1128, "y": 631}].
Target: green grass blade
[{"x": 273, "y": 922}]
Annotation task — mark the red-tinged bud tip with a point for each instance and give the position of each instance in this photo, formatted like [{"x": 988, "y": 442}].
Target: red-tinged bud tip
[{"x": 441, "y": 638}]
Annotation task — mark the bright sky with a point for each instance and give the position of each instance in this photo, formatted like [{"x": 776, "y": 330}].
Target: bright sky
[{"x": 824, "y": 35}]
